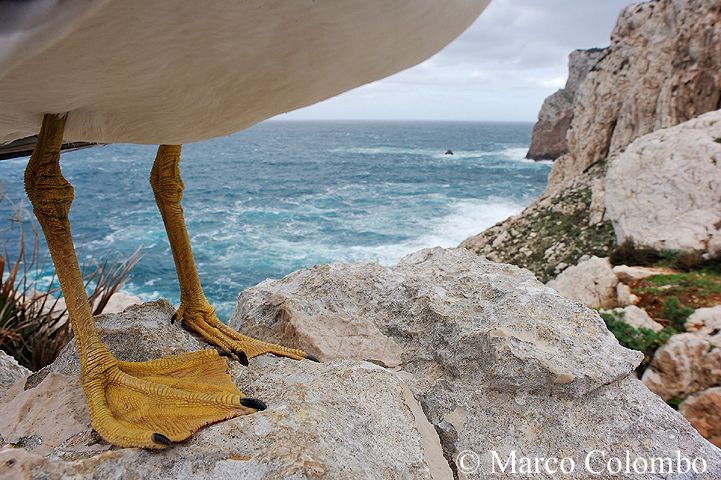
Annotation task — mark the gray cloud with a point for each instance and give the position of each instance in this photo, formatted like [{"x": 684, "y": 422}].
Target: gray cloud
[{"x": 501, "y": 68}]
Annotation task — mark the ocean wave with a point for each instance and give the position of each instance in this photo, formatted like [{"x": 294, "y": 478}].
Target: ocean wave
[{"x": 511, "y": 153}]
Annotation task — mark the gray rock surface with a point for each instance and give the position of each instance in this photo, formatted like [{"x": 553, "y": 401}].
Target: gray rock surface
[
  {"x": 548, "y": 141},
  {"x": 498, "y": 361},
  {"x": 664, "y": 190},
  {"x": 10, "y": 372},
  {"x": 334, "y": 420}
]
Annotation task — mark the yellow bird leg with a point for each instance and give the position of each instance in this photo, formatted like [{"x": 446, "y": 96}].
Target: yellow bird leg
[
  {"x": 195, "y": 312},
  {"x": 145, "y": 404}
]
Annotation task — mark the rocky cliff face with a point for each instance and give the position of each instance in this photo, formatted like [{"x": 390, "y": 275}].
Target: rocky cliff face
[
  {"x": 663, "y": 67},
  {"x": 549, "y": 134}
]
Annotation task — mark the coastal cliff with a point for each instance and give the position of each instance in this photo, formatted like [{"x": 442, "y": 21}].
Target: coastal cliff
[
  {"x": 663, "y": 67},
  {"x": 548, "y": 141}
]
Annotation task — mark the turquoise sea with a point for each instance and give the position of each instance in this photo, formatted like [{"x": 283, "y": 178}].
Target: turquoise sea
[{"x": 284, "y": 195}]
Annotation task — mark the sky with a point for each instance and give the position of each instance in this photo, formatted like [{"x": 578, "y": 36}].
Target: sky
[{"x": 500, "y": 69}]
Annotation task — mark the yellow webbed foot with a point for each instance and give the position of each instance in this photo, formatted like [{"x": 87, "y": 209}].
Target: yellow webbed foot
[
  {"x": 203, "y": 321},
  {"x": 152, "y": 404}
]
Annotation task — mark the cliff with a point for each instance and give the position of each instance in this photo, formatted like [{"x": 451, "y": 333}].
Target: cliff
[
  {"x": 548, "y": 141},
  {"x": 663, "y": 67}
]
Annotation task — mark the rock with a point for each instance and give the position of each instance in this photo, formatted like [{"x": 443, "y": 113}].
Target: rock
[
  {"x": 333, "y": 420},
  {"x": 120, "y": 301},
  {"x": 624, "y": 296},
  {"x": 638, "y": 318},
  {"x": 664, "y": 191},
  {"x": 591, "y": 282},
  {"x": 686, "y": 364},
  {"x": 498, "y": 361},
  {"x": 548, "y": 141},
  {"x": 703, "y": 411},
  {"x": 707, "y": 323},
  {"x": 663, "y": 67},
  {"x": 10, "y": 372},
  {"x": 633, "y": 274}
]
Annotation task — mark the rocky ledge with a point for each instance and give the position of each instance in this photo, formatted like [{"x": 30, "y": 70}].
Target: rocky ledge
[{"x": 442, "y": 354}]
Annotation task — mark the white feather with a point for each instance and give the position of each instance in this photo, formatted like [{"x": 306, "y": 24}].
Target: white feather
[{"x": 153, "y": 71}]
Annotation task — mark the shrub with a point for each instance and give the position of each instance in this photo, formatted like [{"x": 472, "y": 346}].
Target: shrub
[
  {"x": 675, "y": 312},
  {"x": 642, "y": 339},
  {"x": 627, "y": 253},
  {"x": 33, "y": 320}
]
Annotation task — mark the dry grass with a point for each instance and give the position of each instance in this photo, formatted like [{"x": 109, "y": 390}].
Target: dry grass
[{"x": 34, "y": 325}]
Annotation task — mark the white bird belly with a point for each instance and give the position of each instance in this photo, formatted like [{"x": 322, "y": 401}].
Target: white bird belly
[{"x": 144, "y": 71}]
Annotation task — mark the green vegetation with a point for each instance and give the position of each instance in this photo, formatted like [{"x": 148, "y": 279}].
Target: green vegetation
[
  {"x": 674, "y": 402},
  {"x": 642, "y": 339},
  {"x": 675, "y": 312}
]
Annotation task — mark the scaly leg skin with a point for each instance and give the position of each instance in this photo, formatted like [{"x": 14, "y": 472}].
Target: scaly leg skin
[
  {"x": 195, "y": 312},
  {"x": 146, "y": 404}
]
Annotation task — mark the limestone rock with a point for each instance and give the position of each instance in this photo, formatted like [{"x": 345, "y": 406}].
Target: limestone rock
[
  {"x": 686, "y": 364},
  {"x": 663, "y": 67},
  {"x": 624, "y": 295},
  {"x": 120, "y": 301},
  {"x": 664, "y": 191},
  {"x": 548, "y": 141},
  {"x": 638, "y": 318},
  {"x": 591, "y": 282},
  {"x": 334, "y": 420},
  {"x": 707, "y": 323},
  {"x": 627, "y": 273},
  {"x": 10, "y": 372},
  {"x": 498, "y": 361},
  {"x": 703, "y": 411},
  {"x": 447, "y": 304}
]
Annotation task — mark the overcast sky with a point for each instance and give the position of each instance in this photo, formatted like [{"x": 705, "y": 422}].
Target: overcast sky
[{"x": 501, "y": 68}]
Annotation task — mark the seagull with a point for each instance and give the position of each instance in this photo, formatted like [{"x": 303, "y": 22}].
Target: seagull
[{"x": 80, "y": 72}]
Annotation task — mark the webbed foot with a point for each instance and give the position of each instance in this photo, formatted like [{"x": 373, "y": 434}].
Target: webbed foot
[
  {"x": 205, "y": 323},
  {"x": 156, "y": 403}
]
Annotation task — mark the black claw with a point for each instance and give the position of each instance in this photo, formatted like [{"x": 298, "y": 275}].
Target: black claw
[
  {"x": 253, "y": 403},
  {"x": 223, "y": 353},
  {"x": 242, "y": 357},
  {"x": 312, "y": 358},
  {"x": 172, "y": 319},
  {"x": 162, "y": 439}
]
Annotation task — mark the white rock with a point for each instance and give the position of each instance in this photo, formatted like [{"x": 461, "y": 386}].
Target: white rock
[
  {"x": 684, "y": 365},
  {"x": 120, "y": 301},
  {"x": 638, "y": 318},
  {"x": 10, "y": 372},
  {"x": 333, "y": 420},
  {"x": 627, "y": 273},
  {"x": 497, "y": 361},
  {"x": 706, "y": 322},
  {"x": 591, "y": 282},
  {"x": 624, "y": 295},
  {"x": 664, "y": 190}
]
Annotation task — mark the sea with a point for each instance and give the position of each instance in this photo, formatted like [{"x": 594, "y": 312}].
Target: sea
[{"x": 284, "y": 195}]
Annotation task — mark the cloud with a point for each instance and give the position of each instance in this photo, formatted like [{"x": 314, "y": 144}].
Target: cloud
[{"x": 501, "y": 68}]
